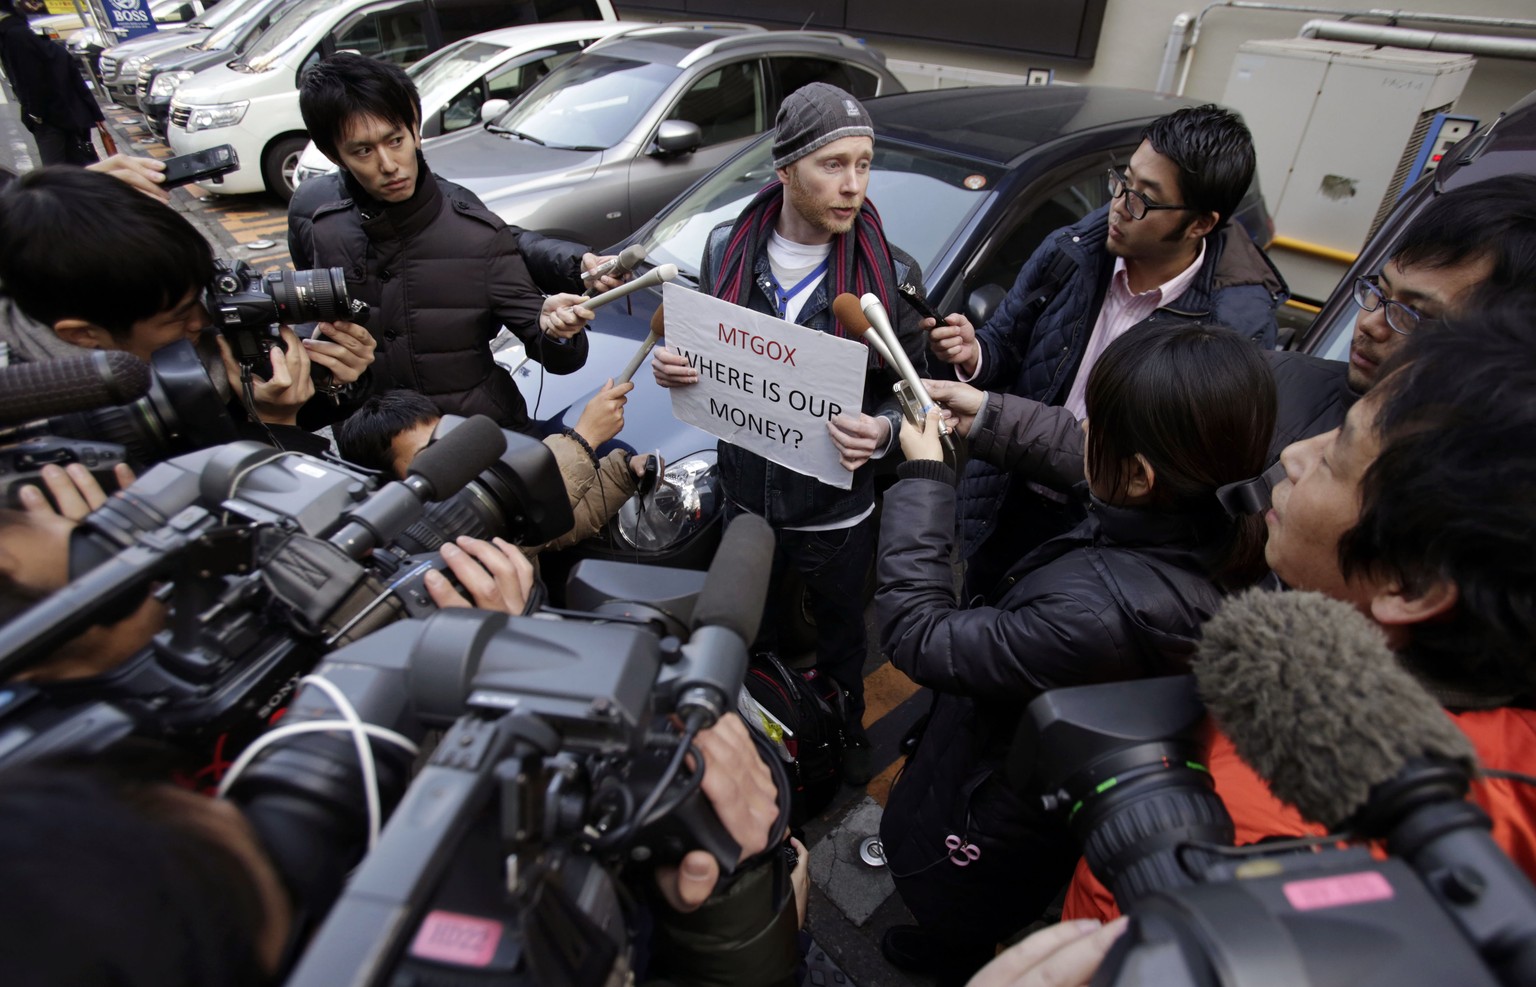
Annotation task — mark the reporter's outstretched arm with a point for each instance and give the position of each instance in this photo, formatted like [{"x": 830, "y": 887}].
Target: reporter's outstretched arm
[{"x": 144, "y": 174}]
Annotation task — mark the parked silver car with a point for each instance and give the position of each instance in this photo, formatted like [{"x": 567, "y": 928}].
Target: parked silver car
[{"x": 638, "y": 117}]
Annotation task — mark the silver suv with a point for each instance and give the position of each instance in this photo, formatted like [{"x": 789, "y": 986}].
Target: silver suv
[{"x": 605, "y": 140}]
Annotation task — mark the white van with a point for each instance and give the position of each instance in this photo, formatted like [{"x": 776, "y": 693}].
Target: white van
[{"x": 253, "y": 102}]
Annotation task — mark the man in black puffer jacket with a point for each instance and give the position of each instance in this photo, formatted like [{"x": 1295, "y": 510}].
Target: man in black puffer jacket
[{"x": 440, "y": 272}]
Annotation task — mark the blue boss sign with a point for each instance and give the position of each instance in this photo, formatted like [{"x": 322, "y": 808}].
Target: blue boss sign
[{"x": 130, "y": 18}]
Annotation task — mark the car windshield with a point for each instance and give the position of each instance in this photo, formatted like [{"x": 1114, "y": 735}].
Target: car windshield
[
  {"x": 455, "y": 62},
  {"x": 923, "y": 198},
  {"x": 286, "y": 33},
  {"x": 590, "y": 102},
  {"x": 231, "y": 31}
]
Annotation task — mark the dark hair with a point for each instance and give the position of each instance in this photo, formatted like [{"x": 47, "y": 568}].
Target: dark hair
[
  {"x": 347, "y": 85},
  {"x": 365, "y": 437},
  {"x": 1495, "y": 218},
  {"x": 1214, "y": 154},
  {"x": 1198, "y": 401},
  {"x": 103, "y": 880},
  {"x": 77, "y": 244},
  {"x": 1452, "y": 494}
]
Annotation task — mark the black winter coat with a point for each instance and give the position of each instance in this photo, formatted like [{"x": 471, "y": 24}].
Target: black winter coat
[
  {"x": 1121, "y": 596},
  {"x": 441, "y": 275},
  {"x": 45, "y": 79},
  {"x": 1312, "y": 397}
]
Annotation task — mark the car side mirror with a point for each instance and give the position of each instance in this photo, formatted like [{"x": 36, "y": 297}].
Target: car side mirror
[
  {"x": 678, "y": 137},
  {"x": 493, "y": 108},
  {"x": 982, "y": 302}
]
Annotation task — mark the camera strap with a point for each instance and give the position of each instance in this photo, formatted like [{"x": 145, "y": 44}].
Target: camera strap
[{"x": 310, "y": 576}]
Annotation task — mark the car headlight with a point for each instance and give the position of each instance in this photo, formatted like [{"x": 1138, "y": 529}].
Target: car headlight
[
  {"x": 130, "y": 68},
  {"x": 217, "y": 115},
  {"x": 686, "y": 501},
  {"x": 166, "y": 82}
]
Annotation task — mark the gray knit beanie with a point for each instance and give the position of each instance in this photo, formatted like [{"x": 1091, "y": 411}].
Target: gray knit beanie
[{"x": 814, "y": 116}]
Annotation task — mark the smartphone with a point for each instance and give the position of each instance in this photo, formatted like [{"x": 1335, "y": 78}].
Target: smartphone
[
  {"x": 913, "y": 295},
  {"x": 200, "y": 165}
]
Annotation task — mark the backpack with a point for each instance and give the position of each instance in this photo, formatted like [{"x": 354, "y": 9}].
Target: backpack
[{"x": 804, "y": 720}]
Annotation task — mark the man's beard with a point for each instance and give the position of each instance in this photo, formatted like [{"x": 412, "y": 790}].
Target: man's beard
[{"x": 804, "y": 202}]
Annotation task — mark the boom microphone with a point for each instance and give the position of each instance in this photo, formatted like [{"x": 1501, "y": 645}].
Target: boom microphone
[
  {"x": 1316, "y": 703},
  {"x": 30, "y": 391},
  {"x": 658, "y": 330},
  {"x": 628, "y": 259},
  {"x": 650, "y": 279},
  {"x": 726, "y": 618}
]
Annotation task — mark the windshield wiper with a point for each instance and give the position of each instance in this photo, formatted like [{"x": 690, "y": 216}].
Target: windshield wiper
[{"x": 513, "y": 133}]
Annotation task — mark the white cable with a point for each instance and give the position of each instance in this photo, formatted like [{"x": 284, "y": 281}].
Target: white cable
[{"x": 354, "y": 725}]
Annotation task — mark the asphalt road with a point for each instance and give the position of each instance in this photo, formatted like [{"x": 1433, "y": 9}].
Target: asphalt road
[{"x": 852, "y": 903}]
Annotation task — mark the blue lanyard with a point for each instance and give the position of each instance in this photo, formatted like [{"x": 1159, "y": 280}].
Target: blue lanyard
[{"x": 805, "y": 282}]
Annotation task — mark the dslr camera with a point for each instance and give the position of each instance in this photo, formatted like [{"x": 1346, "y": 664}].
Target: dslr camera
[{"x": 248, "y": 307}]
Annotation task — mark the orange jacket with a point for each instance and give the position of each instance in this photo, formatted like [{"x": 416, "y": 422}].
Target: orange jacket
[{"x": 1505, "y": 739}]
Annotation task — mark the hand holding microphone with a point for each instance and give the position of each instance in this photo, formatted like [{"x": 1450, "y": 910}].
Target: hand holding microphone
[
  {"x": 610, "y": 272},
  {"x": 652, "y": 278}
]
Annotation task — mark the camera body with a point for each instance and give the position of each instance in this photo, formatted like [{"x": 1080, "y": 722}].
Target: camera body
[
  {"x": 269, "y": 560},
  {"x": 1123, "y": 761},
  {"x": 248, "y": 307}
]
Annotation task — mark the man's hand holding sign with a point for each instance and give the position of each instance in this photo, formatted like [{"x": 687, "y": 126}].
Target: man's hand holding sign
[{"x": 788, "y": 393}]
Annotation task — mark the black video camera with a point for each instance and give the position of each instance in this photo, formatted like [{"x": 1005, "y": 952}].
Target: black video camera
[
  {"x": 184, "y": 410},
  {"x": 1123, "y": 762},
  {"x": 500, "y": 860},
  {"x": 247, "y": 307},
  {"x": 272, "y": 558}
]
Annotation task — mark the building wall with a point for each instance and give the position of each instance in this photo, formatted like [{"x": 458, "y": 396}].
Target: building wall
[{"x": 1135, "y": 33}]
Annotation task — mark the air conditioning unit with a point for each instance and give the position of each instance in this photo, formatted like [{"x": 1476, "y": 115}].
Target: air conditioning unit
[{"x": 1338, "y": 127}]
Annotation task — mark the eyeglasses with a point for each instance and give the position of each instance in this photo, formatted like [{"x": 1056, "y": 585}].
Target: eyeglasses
[
  {"x": 1368, "y": 295},
  {"x": 1136, "y": 204}
]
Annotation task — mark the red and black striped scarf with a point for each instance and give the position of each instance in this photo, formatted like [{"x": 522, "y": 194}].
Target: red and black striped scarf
[{"x": 860, "y": 260}]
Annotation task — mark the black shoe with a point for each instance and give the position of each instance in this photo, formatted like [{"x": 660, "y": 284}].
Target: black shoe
[
  {"x": 911, "y": 948},
  {"x": 858, "y": 761}
]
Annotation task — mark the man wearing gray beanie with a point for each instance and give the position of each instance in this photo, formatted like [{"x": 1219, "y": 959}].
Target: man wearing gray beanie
[{"x": 804, "y": 239}]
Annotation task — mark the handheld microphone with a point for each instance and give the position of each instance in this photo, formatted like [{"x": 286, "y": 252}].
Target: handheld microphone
[
  {"x": 29, "y": 391},
  {"x": 846, "y": 308},
  {"x": 658, "y": 327},
  {"x": 628, "y": 259},
  {"x": 726, "y": 619},
  {"x": 650, "y": 279},
  {"x": 1315, "y": 702}
]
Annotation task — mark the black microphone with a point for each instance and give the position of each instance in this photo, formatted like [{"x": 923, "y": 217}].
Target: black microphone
[
  {"x": 439, "y": 471},
  {"x": 444, "y": 466},
  {"x": 29, "y": 391},
  {"x": 1315, "y": 702},
  {"x": 726, "y": 619}
]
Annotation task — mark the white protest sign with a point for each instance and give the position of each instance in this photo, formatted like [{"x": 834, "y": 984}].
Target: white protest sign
[{"x": 765, "y": 385}]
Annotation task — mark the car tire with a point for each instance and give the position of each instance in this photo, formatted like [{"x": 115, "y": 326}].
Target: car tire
[{"x": 278, "y": 164}]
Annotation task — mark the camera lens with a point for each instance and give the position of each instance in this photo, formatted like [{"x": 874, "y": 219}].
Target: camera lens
[{"x": 317, "y": 295}]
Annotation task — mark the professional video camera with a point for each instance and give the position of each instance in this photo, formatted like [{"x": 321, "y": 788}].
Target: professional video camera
[
  {"x": 248, "y": 307},
  {"x": 501, "y": 857},
  {"x": 107, "y": 407},
  {"x": 273, "y": 558},
  {"x": 1123, "y": 761}
]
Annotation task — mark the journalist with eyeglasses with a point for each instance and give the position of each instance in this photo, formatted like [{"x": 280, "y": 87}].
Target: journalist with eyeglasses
[
  {"x": 1475, "y": 240},
  {"x": 1161, "y": 249}
]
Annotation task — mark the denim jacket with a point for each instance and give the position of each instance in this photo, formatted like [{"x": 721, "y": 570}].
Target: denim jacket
[{"x": 781, "y": 496}]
